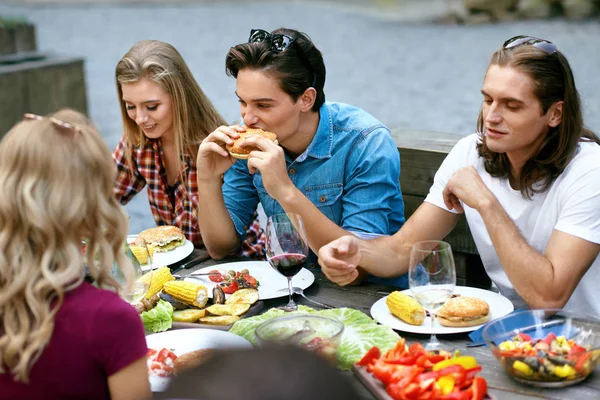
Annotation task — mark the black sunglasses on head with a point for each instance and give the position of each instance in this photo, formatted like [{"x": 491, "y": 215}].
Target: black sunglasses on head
[
  {"x": 522, "y": 40},
  {"x": 280, "y": 42}
]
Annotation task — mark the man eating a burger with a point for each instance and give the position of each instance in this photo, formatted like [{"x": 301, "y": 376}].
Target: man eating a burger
[{"x": 333, "y": 164}]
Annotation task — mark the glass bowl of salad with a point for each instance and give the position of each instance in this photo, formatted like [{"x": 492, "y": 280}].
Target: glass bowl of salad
[
  {"x": 546, "y": 348},
  {"x": 318, "y": 334}
]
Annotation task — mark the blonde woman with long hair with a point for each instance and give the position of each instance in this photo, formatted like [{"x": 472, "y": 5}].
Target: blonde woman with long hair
[
  {"x": 165, "y": 117},
  {"x": 60, "y": 337}
]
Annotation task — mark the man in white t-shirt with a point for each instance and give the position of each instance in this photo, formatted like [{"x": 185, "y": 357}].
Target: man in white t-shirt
[{"x": 528, "y": 183}]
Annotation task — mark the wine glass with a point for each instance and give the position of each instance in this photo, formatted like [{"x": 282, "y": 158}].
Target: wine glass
[
  {"x": 432, "y": 278},
  {"x": 287, "y": 248},
  {"x": 135, "y": 282}
]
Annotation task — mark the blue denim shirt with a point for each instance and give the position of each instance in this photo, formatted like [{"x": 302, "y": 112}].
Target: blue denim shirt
[{"x": 350, "y": 172}]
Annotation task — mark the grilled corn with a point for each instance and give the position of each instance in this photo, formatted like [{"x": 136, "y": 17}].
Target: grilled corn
[
  {"x": 406, "y": 308},
  {"x": 157, "y": 280},
  {"x": 187, "y": 292},
  {"x": 140, "y": 254}
]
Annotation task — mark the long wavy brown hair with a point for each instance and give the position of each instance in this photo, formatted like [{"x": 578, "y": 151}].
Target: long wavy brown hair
[
  {"x": 194, "y": 116},
  {"x": 553, "y": 81},
  {"x": 56, "y": 191}
]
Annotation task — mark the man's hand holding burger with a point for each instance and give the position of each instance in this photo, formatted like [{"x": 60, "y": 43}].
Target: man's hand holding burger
[
  {"x": 269, "y": 159},
  {"x": 213, "y": 159}
]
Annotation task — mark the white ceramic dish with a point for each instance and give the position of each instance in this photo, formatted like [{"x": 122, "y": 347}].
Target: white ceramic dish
[
  {"x": 499, "y": 307},
  {"x": 271, "y": 282},
  {"x": 182, "y": 341},
  {"x": 168, "y": 257}
]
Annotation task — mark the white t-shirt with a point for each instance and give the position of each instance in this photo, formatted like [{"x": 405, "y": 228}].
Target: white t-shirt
[{"x": 571, "y": 205}]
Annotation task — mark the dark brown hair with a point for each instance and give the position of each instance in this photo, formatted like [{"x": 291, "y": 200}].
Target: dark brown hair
[
  {"x": 266, "y": 373},
  {"x": 294, "y": 70},
  {"x": 553, "y": 81}
]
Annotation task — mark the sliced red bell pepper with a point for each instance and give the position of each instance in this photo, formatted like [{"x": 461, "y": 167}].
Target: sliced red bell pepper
[
  {"x": 429, "y": 359},
  {"x": 524, "y": 337},
  {"x": 371, "y": 355},
  {"x": 575, "y": 349},
  {"x": 457, "y": 394},
  {"x": 231, "y": 288},
  {"x": 413, "y": 391},
  {"x": 388, "y": 373},
  {"x": 428, "y": 376},
  {"x": 398, "y": 351},
  {"x": 396, "y": 391},
  {"x": 470, "y": 373},
  {"x": 457, "y": 371},
  {"x": 580, "y": 363},
  {"x": 548, "y": 339},
  {"x": 381, "y": 370},
  {"x": 404, "y": 360},
  {"x": 416, "y": 348},
  {"x": 479, "y": 388}
]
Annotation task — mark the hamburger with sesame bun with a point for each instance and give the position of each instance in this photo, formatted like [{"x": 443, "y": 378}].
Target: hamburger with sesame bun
[
  {"x": 237, "y": 148},
  {"x": 162, "y": 238},
  {"x": 464, "y": 311}
]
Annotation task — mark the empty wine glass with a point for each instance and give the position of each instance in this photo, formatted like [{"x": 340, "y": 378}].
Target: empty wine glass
[
  {"x": 287, "y": 248},
  {"x": 432, "y": 278}
]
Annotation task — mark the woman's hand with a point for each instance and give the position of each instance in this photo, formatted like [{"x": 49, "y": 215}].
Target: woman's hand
[{"x": 213, "y": 158}]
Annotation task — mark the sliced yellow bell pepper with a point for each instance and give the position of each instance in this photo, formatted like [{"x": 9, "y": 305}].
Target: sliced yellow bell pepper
[
  {"x": 445, "y": 384},
  {"x": 522, "y": 367},
  {"x": 564, "y": 371},
  {"x": 467, "y": 362}
]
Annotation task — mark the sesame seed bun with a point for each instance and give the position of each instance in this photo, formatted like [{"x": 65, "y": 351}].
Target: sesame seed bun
[
  {"x": 241, "y": 152},
  {"x": 162, "y": 238},
  {"x": 464, "y": 311}
]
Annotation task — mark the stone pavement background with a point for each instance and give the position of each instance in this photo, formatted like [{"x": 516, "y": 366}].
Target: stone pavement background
[{"x": 380, "y": 55}]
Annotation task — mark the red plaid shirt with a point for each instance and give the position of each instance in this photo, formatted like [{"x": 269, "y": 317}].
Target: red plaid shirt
[{"x": 148, "y": 169}]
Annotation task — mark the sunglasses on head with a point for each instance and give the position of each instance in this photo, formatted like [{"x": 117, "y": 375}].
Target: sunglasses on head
[
  {"x": 62, "y": 126},
  {"x": 545, "y": 45},
  {"x": 278, "y": 43}
]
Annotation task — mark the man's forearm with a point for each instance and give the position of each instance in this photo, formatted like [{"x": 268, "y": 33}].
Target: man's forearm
[
  {"x": 385, "y": 256},
  {"x": 217, "y": 228},
  {"x": 530, "y": 272},
  {"x": 320, "y": 230}
]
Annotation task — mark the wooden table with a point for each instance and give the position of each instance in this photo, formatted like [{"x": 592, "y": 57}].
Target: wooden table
[{"x": 362, "y": 298}]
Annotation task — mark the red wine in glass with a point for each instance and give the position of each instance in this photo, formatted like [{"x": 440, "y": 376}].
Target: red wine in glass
[
  {"x": 288, "y": 264},
  {"x": 287, "y": 248}
]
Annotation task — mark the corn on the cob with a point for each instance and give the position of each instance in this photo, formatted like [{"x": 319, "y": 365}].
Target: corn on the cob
[
  {"x": 187, "y": 292},
  {"x": 157, "y": 280},
  {"x": 406, "y": 308},
  {"x": 140, "y": 254}
]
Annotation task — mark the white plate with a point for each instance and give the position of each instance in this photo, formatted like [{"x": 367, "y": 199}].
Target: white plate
[
  {"x": 168, "y": 257},
  {"x": 271, "y": 283},
  {"x": 499, "y": 307},
  {"x": 185, "y": 340}
]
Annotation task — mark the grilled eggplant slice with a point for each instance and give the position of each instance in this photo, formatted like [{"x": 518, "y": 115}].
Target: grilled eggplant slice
[{"x": 218, "y": 295}]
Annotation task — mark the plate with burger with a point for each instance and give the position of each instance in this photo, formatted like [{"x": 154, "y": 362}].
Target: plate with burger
[
  {"x": 467, "y": 310},
  {"x": 167, "y": 245},
  {"x": 172, "y": 352},
  {"x": 238, "y": 150}
]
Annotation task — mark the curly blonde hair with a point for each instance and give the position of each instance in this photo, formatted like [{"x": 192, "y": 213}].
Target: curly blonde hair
[{"x": 57, "y": 190}]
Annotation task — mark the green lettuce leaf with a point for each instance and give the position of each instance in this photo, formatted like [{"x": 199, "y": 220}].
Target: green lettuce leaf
[
  {"x": 360, "y": 331},
  {"x": 160, "y": 318}
]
